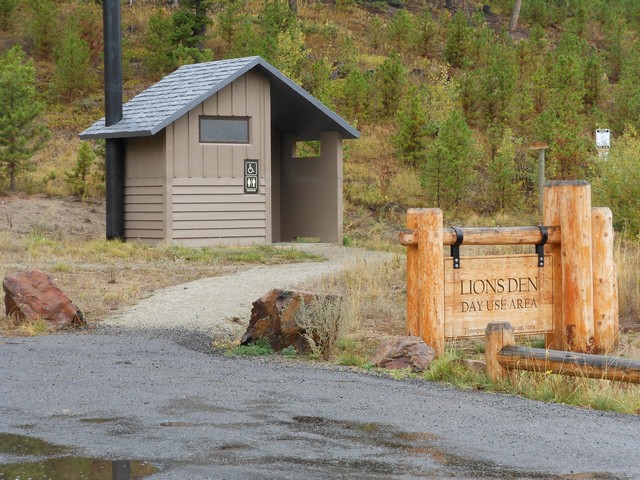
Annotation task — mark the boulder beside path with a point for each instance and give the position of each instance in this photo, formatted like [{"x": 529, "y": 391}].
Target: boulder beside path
[
  {"x": 398, "y": 353},
  {"x": 274, "y": 317},
  {"x": 33, "y": 295}
]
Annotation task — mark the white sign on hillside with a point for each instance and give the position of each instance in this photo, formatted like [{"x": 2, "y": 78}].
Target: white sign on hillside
[{"x": 603, "y": 139}]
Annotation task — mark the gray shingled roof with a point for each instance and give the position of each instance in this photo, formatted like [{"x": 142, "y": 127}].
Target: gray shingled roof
[{"x": 293, "y": 109}]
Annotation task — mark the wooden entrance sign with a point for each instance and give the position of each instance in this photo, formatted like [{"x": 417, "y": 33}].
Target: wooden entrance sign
[
  {"x": 496, "y": 288},
  {"x": 559, "y": 290}
]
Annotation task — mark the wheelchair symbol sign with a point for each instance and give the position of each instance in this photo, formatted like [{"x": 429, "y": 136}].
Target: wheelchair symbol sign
[{"x": 251, "y": 167}]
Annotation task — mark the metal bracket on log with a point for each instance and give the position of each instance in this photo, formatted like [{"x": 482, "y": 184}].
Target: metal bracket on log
[
  {"x": 455, "y": 248},
  {"x": 540, "y": 246}
]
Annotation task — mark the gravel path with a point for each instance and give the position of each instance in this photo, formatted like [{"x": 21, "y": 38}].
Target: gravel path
[{"x": 220, "y": 307}]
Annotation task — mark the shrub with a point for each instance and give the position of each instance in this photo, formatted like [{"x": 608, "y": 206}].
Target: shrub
[
  {"x": 77, "y": 178},
  {"x": 324, "y": 324},
  {"x": 618, "y": 185}
]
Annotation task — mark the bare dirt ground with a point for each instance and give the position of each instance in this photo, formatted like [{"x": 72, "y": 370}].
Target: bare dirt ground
[{"x": 68, "y": 218}]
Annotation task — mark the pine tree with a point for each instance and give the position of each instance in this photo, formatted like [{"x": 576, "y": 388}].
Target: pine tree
[
  {"x": 401, "y": 29},
  {"x": 73, "y": 74},
  {"x": 159, "y": 59},
  {"x": 425, "y": 39},
  {"x": 457, "y": 43},
  {"x": 230, "y": 22},
  {"x": 626, "y": 95},
  {"x": 502, "y": 172},
  {"x": 190, "y": 23},
  {"x": 450, "y": 164},
  {"x": 411, "y": 139},
  {"x": 355, "y": 96},
  {"x": 563, "y": 123},
  {"x": 275, "y": 18},
  {"x": 391, "y": 80},
  {"x": 595, "y": 82},
  {"x": 21, "y": 132},
  {"x": 43, "y": 30}
]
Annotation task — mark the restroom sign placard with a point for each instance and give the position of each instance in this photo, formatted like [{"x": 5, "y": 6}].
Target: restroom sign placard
[{"x": 251, "y": 176}]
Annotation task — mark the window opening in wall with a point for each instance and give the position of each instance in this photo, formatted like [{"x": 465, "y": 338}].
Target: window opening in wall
[
  {"x": 224, "y": 129},
  {"x": 308, "y": 149}
]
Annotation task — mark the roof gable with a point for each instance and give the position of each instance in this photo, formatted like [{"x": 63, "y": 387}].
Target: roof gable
[{"x": 179, "y": 92}]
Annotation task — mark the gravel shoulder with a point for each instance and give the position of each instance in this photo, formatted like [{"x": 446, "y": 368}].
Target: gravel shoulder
[{"x": 220, "y": 307}]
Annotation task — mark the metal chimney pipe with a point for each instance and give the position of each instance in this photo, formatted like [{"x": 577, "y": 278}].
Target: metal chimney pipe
[{"x": 115, "y": 151}]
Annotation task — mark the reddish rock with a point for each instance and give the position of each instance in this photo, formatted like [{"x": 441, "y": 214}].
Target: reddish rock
[
  {"x": 273, "y": 317},
  {"x": 33, "y": 295},
  {"x": 398, "y": 353}
]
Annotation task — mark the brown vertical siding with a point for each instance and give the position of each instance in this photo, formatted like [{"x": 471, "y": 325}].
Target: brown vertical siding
[{"x": 209, "y": 206}]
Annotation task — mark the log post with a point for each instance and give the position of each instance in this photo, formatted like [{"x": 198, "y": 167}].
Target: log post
[
  {"x": 413, "y": 307},
  {"x": 551, "y": 216},
  {"x": 577, "y": 275},
  {"x": 431, "y": 278},
  {"x": 497, "y": 336},
  {"x": 605, "y": 297}
]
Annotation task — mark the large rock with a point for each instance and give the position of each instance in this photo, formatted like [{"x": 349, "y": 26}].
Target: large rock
[
  {"x": 33, "y": 295},
  {"x": 274, "y": 317},
  {"x": 398, "y": 353}
]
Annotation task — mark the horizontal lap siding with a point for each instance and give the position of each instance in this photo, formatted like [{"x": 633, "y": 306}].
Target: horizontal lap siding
[
  {"x": 144, "y": 205},
  {"x": 216, "y": 212}
]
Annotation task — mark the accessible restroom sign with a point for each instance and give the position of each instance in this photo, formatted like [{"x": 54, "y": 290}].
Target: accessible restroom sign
[{"x": 251, "y": 177}]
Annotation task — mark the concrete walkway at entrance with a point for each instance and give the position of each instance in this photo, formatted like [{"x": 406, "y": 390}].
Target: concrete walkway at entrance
[{"x": 210, "y": 305}]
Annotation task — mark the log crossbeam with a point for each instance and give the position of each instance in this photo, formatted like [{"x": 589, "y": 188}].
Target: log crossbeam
[
  {"x": 570, "y": 363},
  {"x": 488, "y": 236}
]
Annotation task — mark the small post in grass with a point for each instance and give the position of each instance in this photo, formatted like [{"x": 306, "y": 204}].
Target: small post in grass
[{"x": 498, "y": 335}]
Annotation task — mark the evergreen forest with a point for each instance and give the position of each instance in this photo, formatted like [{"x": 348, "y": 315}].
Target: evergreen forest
[{"x": 449, "y": 95}]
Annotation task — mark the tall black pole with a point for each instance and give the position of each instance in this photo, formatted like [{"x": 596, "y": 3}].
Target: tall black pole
[{"x": 115, "y": 152}]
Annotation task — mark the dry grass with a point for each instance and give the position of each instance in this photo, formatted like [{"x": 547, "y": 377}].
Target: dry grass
[
  {"x": 102, "y": 277},
  {"x": 627, "y": 258},
  {"x": 373, "y": 293}
]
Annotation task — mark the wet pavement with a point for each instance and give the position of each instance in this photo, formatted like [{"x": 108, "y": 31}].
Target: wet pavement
[{"x": 164, "y": 406}]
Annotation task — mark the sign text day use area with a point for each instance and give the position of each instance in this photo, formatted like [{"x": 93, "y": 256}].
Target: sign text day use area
[{"x": 498, "y": 288}]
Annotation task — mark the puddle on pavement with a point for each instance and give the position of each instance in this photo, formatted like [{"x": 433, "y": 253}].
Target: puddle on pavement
[
  {"x": 99, "y": 420},
  {"x": 177, "y": 424},
  {"x": 413, "y": 444},
  {"x": 64, "y": 466},
  {"x": 78, "y": 468},
  {"x": 14, "y": 444}
]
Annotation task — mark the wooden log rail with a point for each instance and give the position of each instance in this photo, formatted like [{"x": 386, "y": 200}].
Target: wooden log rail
[
  {"x": 502, "y": 357},
  {"x": 489, "y": 236}
]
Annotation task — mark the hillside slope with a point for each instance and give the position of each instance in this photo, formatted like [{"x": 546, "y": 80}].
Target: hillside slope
[{"x": 447, "y": 101}]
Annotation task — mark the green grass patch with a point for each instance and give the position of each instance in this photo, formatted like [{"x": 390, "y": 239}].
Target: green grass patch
[
  {"x": 451, "y": 368},
  {"x": 259, "y": 348},
  {"x": 41, "y": 245}
]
